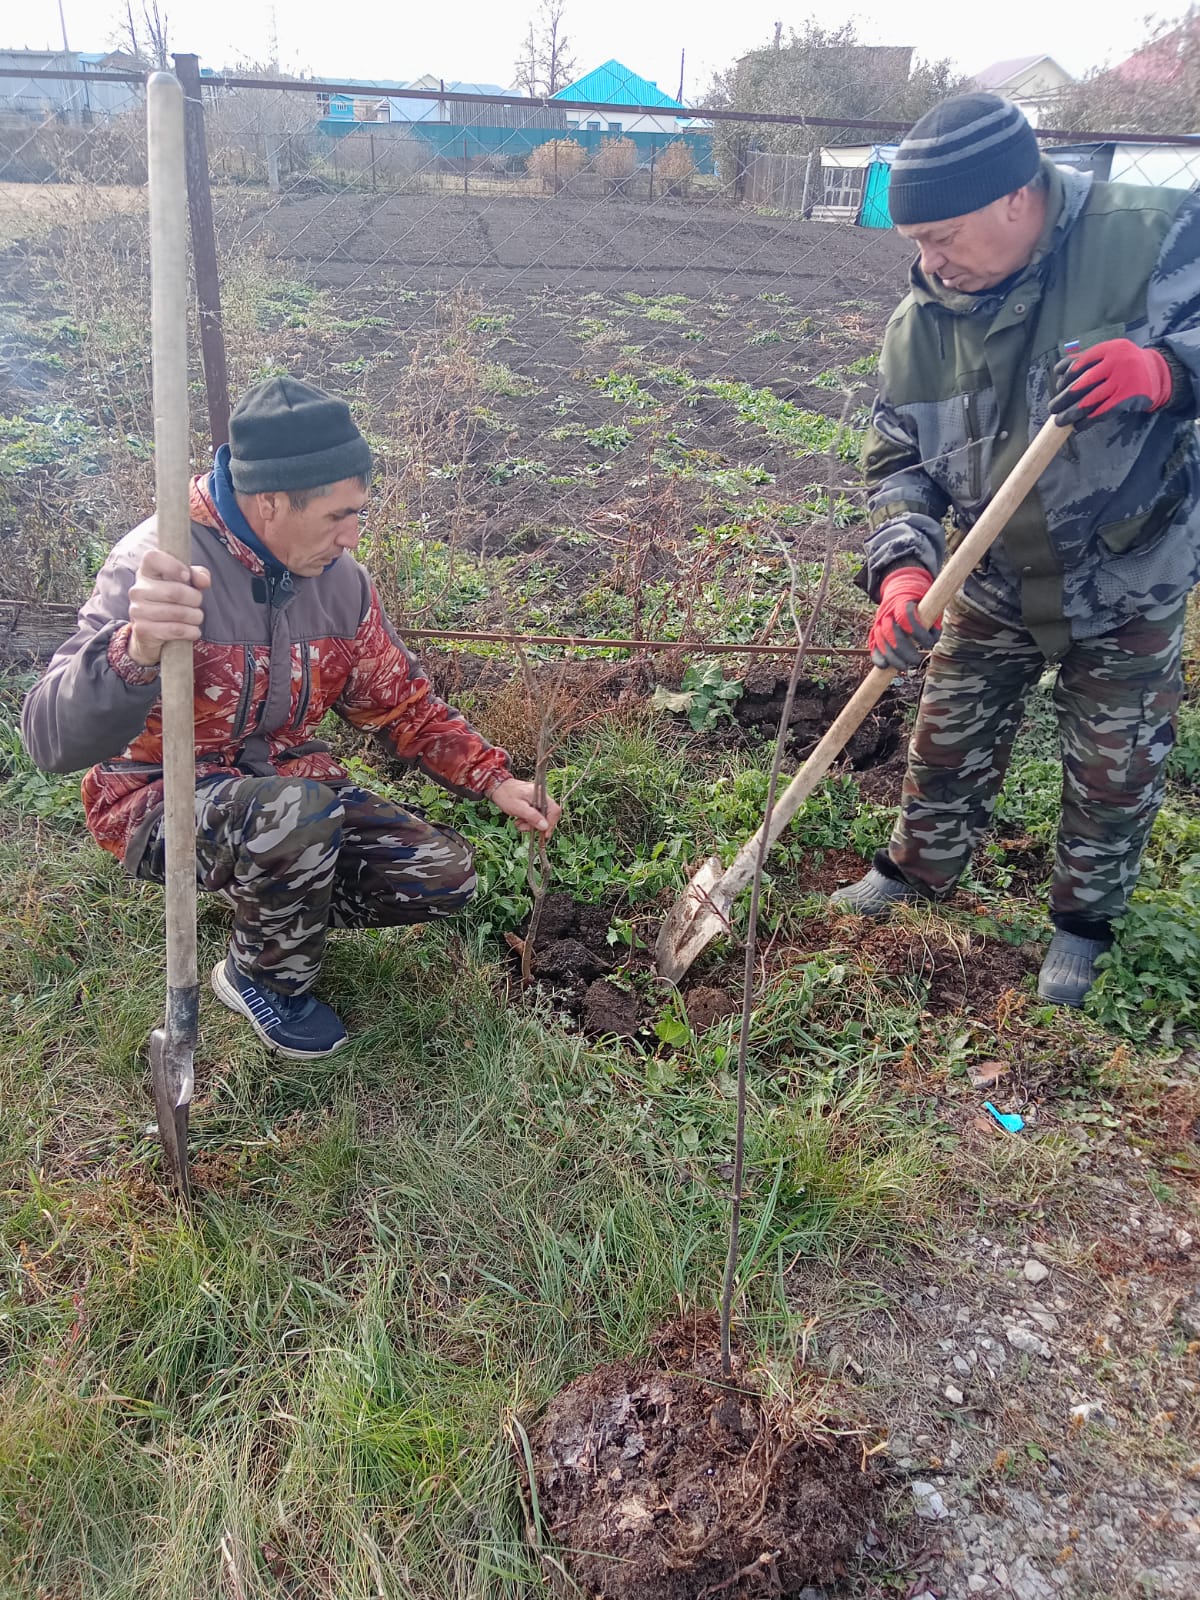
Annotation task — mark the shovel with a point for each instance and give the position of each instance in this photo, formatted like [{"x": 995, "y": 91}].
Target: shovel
[
  {"x": 702, "y": 911},
  {"x": 173, "y": 1046}
]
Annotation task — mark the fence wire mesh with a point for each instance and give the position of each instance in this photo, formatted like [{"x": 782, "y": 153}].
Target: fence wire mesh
[{"x": 615, "y": 366}]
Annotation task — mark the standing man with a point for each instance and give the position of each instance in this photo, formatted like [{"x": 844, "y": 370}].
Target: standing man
[
  {"x": 1036, "y": 291},
  {"x": 287, "y": 626}
]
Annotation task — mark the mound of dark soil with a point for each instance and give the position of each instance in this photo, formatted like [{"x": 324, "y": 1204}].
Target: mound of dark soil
[
  {"x": 609, "y": 1010},
  {"x": 814, "y": 709},
  {"x": 881, "y": 783},
  {"x": 573, "y": 957},
  {"x": 659, "y": 1480},
  {"x": 823, "y": 871},
  {"x": 705, "y": 1005}
]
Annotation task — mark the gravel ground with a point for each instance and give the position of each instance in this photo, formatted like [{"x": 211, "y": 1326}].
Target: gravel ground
[{"x": 1037, "y": 1383}]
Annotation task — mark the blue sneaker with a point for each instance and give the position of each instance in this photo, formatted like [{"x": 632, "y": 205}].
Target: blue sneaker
[{"x": 296, "y": 1025}]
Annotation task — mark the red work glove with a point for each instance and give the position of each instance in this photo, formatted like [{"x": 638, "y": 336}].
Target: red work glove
[
  {"x": 898, "y": 638},
  {"x": 1117, "y": 375}
]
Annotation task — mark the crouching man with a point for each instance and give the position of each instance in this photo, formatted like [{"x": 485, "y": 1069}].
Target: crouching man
[{"x": 287, "y": 625}]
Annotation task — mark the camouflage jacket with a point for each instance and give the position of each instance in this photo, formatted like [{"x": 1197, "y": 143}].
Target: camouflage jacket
[
  {"x": 267, "y": 671},
  {"x": 1113, "y": 529}
]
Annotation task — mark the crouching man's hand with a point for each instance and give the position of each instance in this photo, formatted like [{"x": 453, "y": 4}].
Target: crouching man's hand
[
  {"x": 165, "y": 602},
  {"x": 518, "y": 800}
]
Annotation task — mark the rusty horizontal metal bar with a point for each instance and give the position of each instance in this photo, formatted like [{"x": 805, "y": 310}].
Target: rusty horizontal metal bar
[
  {"x": 704, "y": 113},
  {"x": 567, "y": 641}
]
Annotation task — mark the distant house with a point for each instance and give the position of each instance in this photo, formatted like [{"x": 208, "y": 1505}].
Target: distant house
[
  {"x": 614, "y": 87},
  {"x": 36, "y": 94},
  {"x": 1031, "y": 82},
  {"x": 1165, "y": 60},
  {"x": 443, "y": 104},
  {"x": 457, "y": 129},
  {"x": 431, "y": 102}
]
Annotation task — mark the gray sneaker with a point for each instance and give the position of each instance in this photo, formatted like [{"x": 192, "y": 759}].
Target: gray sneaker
[
  {"x": 1069, "y": 970},
  {"x": 874, "y": 895}
]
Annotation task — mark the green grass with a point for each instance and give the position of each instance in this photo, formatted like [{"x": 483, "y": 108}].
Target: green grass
[
  {"x": 500, "y": 379},
  {"x": 396, "y": 1251},
  {"x": 45, "y": 440},
  {"x": 393, "y": 1252}
]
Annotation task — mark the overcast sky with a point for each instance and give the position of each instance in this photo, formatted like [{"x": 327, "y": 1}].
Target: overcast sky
[{"x": 477, "y": 40}]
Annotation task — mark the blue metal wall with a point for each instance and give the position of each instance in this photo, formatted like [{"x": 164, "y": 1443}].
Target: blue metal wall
[{"x": 446, "y": 139}]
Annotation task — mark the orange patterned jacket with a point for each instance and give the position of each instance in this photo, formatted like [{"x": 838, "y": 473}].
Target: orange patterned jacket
[{"x": 266, "y": 674}]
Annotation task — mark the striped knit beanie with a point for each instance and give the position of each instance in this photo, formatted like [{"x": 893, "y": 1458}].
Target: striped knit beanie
[{"x": 959, "y": 157}]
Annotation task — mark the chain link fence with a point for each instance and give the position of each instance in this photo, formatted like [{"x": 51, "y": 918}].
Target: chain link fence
[{"x": 614, "y": 362}]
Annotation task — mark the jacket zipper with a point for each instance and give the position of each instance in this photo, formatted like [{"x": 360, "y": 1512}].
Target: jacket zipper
[
  {"x": 243, "y": 706},
  {"x": 974, "y": 448},
  {"x": 305, "y": 688}
]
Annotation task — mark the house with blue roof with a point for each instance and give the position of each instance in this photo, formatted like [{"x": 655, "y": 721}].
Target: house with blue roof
[
  {"x": 613, "y": 89},
  {"x": 34, "y": 92}
]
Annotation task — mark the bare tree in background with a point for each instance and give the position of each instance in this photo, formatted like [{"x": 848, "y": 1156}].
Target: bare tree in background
[
  {"x": 528, "y": 77},
  {"x": 825, "y": 72},
  {"x": 145, "y": 34},
  {"x": 545, "y": 64}
]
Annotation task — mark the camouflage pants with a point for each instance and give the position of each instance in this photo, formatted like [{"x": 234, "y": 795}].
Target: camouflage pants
[
  {"x": 1116, "y": 699},
  {"x": 295, "y": 858}
]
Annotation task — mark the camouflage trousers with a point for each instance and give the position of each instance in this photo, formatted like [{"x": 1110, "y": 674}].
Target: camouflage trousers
[
  {"x": 295, "y": 857},
  {"x": 1116, "y": 699}
]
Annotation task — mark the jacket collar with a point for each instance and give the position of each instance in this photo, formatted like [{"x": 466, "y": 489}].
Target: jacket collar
[
  {"x": 203, "y": 509},
  {"x": 214, "y": 505},
  {"x": 1066, "y": 193}
]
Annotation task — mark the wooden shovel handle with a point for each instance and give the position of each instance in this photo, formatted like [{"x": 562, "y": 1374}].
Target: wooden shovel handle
[
  {"x": 974, "y": 547},
  {"x": 172, "y": 434},
  {"x": 998, "y": 513}
]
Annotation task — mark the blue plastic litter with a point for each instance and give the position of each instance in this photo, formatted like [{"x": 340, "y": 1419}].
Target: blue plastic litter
[{"x": 1008, "y": 1120}]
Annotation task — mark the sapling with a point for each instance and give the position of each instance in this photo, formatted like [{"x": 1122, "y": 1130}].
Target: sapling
[{"x": 803, "y": 638}]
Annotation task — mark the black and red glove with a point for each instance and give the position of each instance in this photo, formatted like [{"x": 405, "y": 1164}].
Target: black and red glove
[
  {"x": 898, "y": 638},
  {"x": 1117, "y": 375}
]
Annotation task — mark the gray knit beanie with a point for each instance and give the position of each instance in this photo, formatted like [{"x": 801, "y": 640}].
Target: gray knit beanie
[
  {"x": 286, "y": 434},
  {"x": 959, "y": 157}
]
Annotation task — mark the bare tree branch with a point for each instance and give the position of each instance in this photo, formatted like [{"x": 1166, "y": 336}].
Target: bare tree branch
[{"x": 545, "y": 63}]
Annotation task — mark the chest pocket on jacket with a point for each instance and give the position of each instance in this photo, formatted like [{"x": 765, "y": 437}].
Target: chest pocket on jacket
[{"x": 957, "y": 451}]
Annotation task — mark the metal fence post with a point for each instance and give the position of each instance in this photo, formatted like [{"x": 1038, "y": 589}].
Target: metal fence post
[
  {"x": 653, "y": 156},
  {"x": 374, "y": 181},
  {"x": 204, "y": 252},
  {"x": 808, "y": 166},
  {"x": 466, "y": 186}
]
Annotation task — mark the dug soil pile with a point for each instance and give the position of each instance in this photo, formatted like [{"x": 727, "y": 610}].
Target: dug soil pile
[{"x": 659, "y": 1480}]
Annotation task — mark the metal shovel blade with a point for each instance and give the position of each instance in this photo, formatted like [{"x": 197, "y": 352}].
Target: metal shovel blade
[
  {"x": 694, "y": 921},
  {"x": 171, "y": 1079}
]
